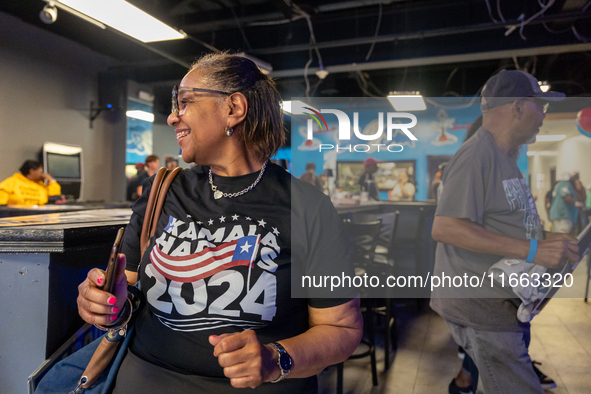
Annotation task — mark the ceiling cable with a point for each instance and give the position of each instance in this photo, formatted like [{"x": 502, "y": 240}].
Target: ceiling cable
[
  {"x": 523, "y": 23},
  {"x": 310, "y": 28},
  {"x": 579, "y": 36},
  {"x": 499, "y": 11},
  {"x": 490, "y": 12},
  {"x": 373, "y": 44}
]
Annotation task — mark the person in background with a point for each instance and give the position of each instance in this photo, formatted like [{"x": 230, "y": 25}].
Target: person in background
[
  {"x": 565, "y": 207},
  {"x": 367, "y": 181},
  {"x": 581, "y": 195},
  {"x": 486, "y": 206},
  {"x": 152, "y": 166},
  {"x": 132, "y": 183},
  {"x": 436, "y": 185},
  {"x": 29, "y": 187},
  {"x": 548, "y": 201},
  {"x": 311, "y": 177},
  {"x": 171, "y": 163},
  {"x": 404, "y": 190}
]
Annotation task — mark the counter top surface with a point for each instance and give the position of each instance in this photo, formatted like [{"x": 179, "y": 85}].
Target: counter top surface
[
  {"x": 377, "y": 205},
  {"x": 25, "y": 210},
  {"x": 54, "y": 232}
]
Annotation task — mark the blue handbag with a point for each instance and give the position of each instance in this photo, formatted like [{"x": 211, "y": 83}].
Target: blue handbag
[{"x": 64, "y": 376}]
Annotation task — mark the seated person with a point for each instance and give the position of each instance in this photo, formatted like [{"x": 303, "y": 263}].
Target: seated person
[
  {"x": 311, "y": 177},
  {"x": 404, "y": 189},
  {"x": 28, "y": 186}
]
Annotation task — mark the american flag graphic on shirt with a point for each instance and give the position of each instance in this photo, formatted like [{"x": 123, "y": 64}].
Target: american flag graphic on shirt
[{"x": 208, "y": 262}]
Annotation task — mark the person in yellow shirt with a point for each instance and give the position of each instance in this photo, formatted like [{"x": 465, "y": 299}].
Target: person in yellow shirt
[{"x": 28, "y": 186}]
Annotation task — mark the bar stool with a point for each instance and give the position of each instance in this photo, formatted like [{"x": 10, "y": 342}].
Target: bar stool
[
  {"x": 363, "y": 237},
  {"x": 382, "y": 266}
]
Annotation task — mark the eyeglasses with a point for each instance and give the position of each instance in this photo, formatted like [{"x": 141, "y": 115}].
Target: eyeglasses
[
  {"x": 541, "y": 104},
  {"x": 175, "y": 97}
]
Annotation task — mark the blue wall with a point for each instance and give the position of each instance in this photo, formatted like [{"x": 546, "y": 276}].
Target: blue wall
[{"x": 440, "y": 130}]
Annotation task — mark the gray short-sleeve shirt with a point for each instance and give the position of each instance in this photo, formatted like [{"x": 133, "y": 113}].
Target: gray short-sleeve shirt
[{"x": 483, "y": 184}]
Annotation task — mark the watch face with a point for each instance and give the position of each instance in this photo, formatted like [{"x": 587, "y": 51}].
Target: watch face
[{"x": 285, "y": 361}]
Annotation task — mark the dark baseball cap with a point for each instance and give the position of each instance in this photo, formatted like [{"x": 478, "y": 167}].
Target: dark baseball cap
[{"x": 511, "y": 85}]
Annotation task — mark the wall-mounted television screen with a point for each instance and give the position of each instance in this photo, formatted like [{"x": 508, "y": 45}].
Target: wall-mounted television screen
[
  {"x": 386, "y": 177},
  {"x": 64, "y": 163},
  {"x": 63, "y": 166}
]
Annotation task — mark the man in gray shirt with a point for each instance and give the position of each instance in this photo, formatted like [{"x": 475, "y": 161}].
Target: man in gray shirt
[{"x": 487, "y": 212}]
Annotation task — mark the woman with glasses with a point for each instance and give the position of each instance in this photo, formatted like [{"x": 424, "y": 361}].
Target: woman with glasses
[{"x": 217, "y": 275}]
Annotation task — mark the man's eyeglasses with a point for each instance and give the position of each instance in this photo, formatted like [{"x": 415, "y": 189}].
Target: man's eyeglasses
[
  {"x": 541, "y": 104},
  {"x": 175, "y": 97}
]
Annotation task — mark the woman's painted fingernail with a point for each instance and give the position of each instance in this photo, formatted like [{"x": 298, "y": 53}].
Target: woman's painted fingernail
[
  {"x": 111, "y": 300},
  {"x": 99, "y": 280},
  {"x": 113, "y": 318},
  {"x": 115, "y": 309},
  {"x": 214, "y": 354}
]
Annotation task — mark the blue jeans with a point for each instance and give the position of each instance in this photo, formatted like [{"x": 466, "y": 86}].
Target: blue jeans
[{"x": 502, "y": 359}]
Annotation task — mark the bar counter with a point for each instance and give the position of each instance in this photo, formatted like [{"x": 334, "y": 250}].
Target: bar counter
[{"x": 43, "y": 259}]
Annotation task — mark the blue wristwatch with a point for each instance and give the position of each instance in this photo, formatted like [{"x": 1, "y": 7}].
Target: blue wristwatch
[{"x": 284, "y": 362}]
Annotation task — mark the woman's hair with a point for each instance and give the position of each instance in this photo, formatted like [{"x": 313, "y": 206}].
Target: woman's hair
[
  {"x": 263, "y": 129},
  {"x": 28, "y": 166}
]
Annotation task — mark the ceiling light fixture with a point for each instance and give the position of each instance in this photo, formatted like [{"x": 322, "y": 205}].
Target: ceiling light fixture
[
  {"x": 122, "y": 16},
  {"x": 141, "y": 115},
  {"x": 544, "y": 86},
  {"x": 321, "y": 73},
  {"x": 407, "y": 101},
  {"x": 550, "y": 137}
]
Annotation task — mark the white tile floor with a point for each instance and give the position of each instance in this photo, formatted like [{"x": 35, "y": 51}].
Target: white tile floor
[{"x": 426, "y": 359}]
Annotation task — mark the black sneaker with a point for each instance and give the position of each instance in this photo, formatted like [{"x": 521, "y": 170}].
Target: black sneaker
[
  {"x": 546, "y": 382},
  {"x": 454, "y": 389}
]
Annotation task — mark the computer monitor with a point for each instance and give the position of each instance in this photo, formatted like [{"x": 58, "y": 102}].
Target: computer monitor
[{"x": 64, "y": 163}]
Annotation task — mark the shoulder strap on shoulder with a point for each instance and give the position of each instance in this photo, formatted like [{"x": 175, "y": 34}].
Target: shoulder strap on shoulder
[{"x": 158, "y": 192}]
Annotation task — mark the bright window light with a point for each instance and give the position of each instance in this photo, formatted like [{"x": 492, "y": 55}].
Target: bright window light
[
  {"x": 549, "y": 138},
  {"x": 141, "y": 115},
  {"x": 126, "y": 18},
  {"x": 407, "y": 102}
]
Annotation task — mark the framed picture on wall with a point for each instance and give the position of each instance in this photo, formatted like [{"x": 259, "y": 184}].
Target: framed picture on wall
[{"x": 349, "y": 173}]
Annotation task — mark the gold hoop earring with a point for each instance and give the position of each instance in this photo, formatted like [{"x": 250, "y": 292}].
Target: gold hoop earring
[{"x": 229, "y": 131}]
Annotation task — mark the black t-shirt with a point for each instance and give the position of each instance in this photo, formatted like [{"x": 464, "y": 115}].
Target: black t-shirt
[{"x": 222, "y": 266}]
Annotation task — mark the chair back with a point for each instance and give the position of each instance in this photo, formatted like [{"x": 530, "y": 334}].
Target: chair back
[
  {"x": 410, "y": 225},
  {"x": 363, "y": 238},
  {"x": 388, "y": 229}
]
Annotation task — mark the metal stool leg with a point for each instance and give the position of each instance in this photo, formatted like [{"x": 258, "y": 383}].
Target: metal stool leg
[
  {"x": 588, "y": 276},
  {"x": 372, "y": 341},
  {"x": 340, "y": 378}
]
